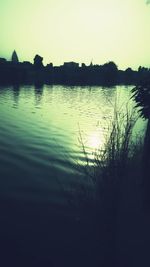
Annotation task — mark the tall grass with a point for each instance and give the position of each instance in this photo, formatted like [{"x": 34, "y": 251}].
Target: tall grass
[
  {"x": 115, "y": 159},
  {"x": 112, "y": 162}
]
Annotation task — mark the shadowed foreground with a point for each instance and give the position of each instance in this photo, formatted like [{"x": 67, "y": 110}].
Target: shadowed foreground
[{"x": 55, "y": 236}]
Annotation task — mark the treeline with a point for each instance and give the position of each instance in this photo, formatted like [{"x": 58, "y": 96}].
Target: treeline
[{"x": 108, "y": 74}]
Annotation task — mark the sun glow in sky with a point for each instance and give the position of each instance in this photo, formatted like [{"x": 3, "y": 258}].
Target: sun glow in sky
[{"x": 77, "y": 30}]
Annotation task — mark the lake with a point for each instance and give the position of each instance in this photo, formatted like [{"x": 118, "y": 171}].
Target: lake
[{"x": 40, "y": 153}]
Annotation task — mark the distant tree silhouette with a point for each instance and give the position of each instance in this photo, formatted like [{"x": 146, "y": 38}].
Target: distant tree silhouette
[
  {"x": 111, "y": 66},
  {"x": 14, "y": 57},
  {"x": 129, "y": 76},
  {"x": 38, "y": 61},
  {"x": 110, "y": 72}
]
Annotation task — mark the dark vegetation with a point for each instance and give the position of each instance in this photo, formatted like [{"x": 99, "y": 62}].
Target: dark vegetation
[
  {"x": 69, "y": 73},
  {"x": 141, "y": 94}
]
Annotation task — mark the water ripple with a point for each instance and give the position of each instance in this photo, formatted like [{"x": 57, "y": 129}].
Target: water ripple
[{"x": 39, "y": 132}]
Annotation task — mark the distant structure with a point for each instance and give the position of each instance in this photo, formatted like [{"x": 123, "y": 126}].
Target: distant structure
[
  {"x": 14, "y": 57},
  {"x": 91, "y": 64},
  {"x": 71, "y": 65}
]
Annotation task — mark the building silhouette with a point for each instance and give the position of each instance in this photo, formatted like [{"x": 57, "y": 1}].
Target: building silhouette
[{"x": 14, "y": 57}]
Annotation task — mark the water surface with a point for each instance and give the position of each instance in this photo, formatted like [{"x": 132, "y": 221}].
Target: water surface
[{"x": 39, "y": 135}]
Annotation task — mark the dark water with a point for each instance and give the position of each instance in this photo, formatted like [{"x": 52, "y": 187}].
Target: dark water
[
  {"x": 39, "y": 156},
  {"x": 39, "y": 131}
]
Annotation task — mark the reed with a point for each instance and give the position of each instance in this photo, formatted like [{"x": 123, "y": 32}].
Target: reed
[{"x": 115, "y": 160}]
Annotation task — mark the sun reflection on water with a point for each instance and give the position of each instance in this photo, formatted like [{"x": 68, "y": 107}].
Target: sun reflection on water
[{"x": 95, "y": 140}]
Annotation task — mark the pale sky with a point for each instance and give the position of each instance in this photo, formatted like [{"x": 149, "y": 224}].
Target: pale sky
[{"x": 77, "y": 30}]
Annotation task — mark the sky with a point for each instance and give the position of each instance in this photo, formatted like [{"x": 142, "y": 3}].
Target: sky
[{"x": 77, "y": 30}]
